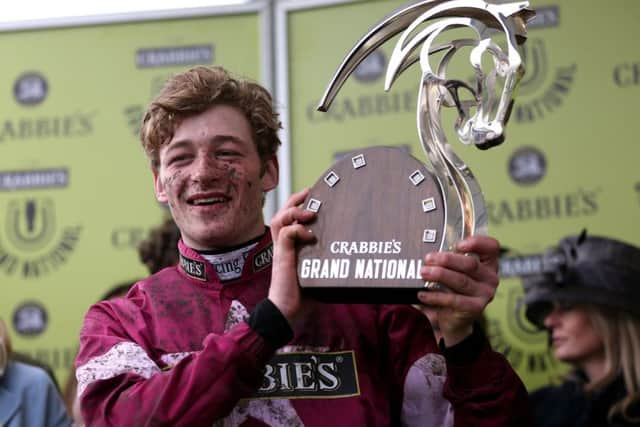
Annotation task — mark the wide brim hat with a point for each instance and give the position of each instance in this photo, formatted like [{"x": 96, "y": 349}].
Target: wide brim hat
[{"x": 596, "y": 270}]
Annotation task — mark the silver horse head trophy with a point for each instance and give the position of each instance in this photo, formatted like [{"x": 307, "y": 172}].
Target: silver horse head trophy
[{"x": 421, "y": 23}]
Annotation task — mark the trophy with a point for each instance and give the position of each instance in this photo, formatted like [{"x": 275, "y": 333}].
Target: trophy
[{"x": 379, "y": 209}]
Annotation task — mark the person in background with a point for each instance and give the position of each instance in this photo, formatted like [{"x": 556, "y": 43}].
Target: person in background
[
  {"x": 28, "y": 396},
  {"x": 160, "y": 249},
  {"x": 29, "y": 360},
  {"x": 590, "y": 305},
  {"x": 227, "y": 338}
]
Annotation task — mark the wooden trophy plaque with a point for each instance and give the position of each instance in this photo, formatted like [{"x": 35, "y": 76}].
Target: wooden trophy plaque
[{"x": 379, "y": 211}]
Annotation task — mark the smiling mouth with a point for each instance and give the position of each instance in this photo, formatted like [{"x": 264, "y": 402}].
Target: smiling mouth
[{"x": 207, "y": 201}]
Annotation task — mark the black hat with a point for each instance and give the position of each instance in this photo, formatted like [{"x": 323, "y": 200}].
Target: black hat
[{"x": 595, "y": 270}]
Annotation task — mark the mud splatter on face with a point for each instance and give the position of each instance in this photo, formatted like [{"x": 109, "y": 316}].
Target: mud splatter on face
[
  {"x": 216, "y": 158},
  {"x": 232, "y": 173},
  {"x": 168, "y": 181},
  {"x": 234, "y": 177}
]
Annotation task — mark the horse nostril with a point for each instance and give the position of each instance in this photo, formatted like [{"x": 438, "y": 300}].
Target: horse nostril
[{"x": 490, "y": 143}]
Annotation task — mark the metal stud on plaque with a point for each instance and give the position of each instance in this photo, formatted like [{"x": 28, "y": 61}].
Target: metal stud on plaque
[{"x": 376, "y": 226}]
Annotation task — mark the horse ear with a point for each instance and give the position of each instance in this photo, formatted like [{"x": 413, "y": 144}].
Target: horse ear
[{"x": 582, "y": 237}]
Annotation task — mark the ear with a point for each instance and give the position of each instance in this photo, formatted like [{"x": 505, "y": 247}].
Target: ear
[
  {"x": 270, "y": 175},
  {"x": 158, "y": 185}
]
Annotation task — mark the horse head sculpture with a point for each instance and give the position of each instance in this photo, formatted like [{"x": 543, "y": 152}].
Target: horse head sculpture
[{"x": 421, "y": 23}]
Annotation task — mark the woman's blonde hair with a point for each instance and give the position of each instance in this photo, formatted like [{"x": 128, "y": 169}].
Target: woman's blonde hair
[
  {"x": 5, "y": 346},
  {"x": 620, "y": 334}
]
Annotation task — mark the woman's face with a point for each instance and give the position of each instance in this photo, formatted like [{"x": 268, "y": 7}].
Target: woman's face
[{"x": 573, "y": 337}]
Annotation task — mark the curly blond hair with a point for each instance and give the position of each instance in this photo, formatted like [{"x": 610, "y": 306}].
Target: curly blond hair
[{"x": 196, "y": 90}]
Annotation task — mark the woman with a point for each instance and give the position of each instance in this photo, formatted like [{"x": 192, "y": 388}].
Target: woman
[
  {"x": 590, "y": 305},
  {"x": 28, "y": 397}
]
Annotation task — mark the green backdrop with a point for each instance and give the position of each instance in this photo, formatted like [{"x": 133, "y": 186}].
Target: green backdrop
[{"x": 76, "y": 192}]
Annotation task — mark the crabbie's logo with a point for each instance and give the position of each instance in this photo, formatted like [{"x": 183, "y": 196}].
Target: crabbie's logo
[
  {"x": 30, "y": 319},
  {"x": 546, "y": 17},
  {"x": 627, "y": 74},
  {"x": 30, "y": 88},
  {"x": 544, "y": 87},
  {"x": 368, "y": 104},
  {"x": 262, "y": 259},
  {"x": 310, "y": 375},
  {"x": 527, "y": 165},
  {"x": 193, "y": 268},
  {"x": 371, "y": 68},
  {"x": 35, "y": 178},
  {"x": 32, "y": 243},
  {"x": 174, "y": 55},
  {"x": 133, "y": 113}
]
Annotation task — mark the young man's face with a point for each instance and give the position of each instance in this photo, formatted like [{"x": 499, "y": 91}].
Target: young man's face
[{"x": 211, "y": 176}]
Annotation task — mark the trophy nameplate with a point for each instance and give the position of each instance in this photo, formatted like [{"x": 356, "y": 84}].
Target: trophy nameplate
[{"x": 380, "y": 210}]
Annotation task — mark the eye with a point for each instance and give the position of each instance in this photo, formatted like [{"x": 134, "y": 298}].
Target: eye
[
  {"x": 178, "y": 158},
  {"x": 565, "y": 306},
  {"x": 227, "y": 154}
]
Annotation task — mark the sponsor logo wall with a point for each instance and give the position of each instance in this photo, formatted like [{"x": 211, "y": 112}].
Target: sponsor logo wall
[
  {"x": 76, "y": 193},
  {"x": 569, "y": 160},
  {"x": 75, "y": 189}
]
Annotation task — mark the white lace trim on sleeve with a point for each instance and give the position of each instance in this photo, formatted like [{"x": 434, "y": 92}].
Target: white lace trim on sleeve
[{"x": 122, "y": 358}]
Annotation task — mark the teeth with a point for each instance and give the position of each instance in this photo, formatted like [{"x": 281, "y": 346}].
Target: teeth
[{"x": 208, "y": 201}]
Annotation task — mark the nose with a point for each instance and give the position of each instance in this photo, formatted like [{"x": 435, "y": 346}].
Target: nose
[
  {"x": 551, "y": 319},
  {"x": 206, "y": 169}
]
